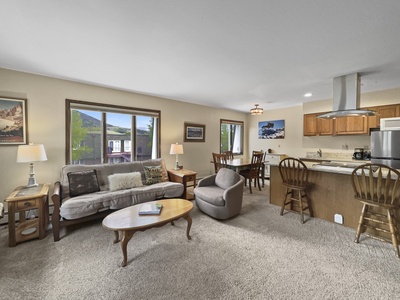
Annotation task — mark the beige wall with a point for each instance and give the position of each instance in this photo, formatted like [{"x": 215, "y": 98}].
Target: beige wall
[
  {"x": 46, "y": 124},
  {"x": 46, "y": 121},
  {"x": 295, "y": 144}
]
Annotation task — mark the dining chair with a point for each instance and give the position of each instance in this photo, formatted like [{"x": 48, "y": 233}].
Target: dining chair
[
  {"x": 262, "y": 169},
  {"x": 219, "y": 161},
  {"x": 254, "y": 171},
  {"x": 294, "y": 174},
  {"x": 229, "y": 154},
  {"x": 376, "y": 186}
]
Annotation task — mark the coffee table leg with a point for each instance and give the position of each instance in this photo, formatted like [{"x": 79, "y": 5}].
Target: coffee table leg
[
  {"x": 189, "y": 221},
  {"x": 116, "y": 240},
  {"x": 126, "y": 237}
]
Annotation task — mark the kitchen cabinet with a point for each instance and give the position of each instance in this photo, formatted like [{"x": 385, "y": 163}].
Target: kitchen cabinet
[
  {"x": 325, "y": 126},
  {"x": 314, "y": 126},
  {"x": 354, "y": 125},
  {"x": 385, "y": 111},
  {"x": 310, "y": 125},
  {"x": 351, "y": 125}
]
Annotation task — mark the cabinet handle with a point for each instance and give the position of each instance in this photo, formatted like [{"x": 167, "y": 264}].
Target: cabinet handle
[{"x": 27, "y": 204}]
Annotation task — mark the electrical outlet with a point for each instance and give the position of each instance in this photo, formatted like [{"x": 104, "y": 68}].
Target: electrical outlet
[{"x": 338, "y": 218}]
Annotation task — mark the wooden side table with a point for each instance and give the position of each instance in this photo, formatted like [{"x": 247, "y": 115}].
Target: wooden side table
[
  {"x": 186, "y": 177},
  {"x": 22, "y": 200}
]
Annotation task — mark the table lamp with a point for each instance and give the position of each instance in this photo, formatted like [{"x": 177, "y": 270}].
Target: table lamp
[
  {"x": 176, "y": 149},
  {"x": 31, "y": 153}
]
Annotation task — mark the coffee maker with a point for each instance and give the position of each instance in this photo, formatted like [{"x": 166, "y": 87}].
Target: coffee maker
[{"x": 358, "y": 153}]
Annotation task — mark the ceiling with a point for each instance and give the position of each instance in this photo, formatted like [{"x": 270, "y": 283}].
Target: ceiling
[{"x": 221, "y": 53}]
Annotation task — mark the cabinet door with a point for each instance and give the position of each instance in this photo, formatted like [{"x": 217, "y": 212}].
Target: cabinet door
[
  {"x": 310, "y": 125},
  {"x": 325, "y": 126},
  {"x": 351, "y": 125},
  {"x": 385, "y": 111}
]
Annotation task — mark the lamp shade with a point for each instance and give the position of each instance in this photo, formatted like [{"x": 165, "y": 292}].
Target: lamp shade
[
  {"x": 30, "y": 153},
  {"x": 176, "y": 149}
]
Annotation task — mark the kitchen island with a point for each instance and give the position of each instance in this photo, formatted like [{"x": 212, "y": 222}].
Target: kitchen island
[{"x": 330, "y": 193}]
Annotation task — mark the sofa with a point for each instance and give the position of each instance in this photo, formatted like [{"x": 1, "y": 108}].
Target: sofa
[
  {"x": 220, "y": 195},
  {"x": 87, "y": 192}
]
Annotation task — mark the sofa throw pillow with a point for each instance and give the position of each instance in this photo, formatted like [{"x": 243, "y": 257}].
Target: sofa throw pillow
[
  {"x": 83, "y": 182},
  {"x": 121, "y": 181},
  {"x": 153, "y": 174}
]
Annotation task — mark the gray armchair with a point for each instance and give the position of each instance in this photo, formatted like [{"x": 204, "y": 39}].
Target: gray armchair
[{"x": 220, "y": 195}]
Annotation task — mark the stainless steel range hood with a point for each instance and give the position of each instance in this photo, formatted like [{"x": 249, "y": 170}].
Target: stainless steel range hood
[{"x": 346, "y": 98}]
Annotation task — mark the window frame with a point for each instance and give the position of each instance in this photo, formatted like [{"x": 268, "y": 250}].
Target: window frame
[
  {"x": 232, "y": 122},
  {"x": 71, "y": 104}
]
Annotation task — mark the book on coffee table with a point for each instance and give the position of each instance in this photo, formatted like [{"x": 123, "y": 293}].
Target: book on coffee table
[{"x": 150, "y": 209}]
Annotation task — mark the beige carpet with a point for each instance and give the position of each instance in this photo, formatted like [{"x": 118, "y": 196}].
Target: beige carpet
[{"x": 257, "y": 255}]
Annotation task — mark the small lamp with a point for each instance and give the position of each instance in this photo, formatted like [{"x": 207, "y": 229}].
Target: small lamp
[
  {"x": 176, "y": 149},
  {"x": 30, "y": 153}
]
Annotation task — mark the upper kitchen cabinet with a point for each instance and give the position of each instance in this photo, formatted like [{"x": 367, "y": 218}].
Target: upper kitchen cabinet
[
  {"x": 325, "y": 126},
  {"x": 314, "y": 126},
  {"x": 351, "y": 125},
  {"x": 385, "y": 111},
  {"x": 310, "y": 125}
]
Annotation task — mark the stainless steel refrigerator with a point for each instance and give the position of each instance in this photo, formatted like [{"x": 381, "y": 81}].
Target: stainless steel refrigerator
[{"x": 385, "y": 148}]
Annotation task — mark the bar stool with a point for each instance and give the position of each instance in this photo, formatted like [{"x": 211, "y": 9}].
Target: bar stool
[
  {"x": 294, "y": 174},
  {"x": 376, "y": 186}
]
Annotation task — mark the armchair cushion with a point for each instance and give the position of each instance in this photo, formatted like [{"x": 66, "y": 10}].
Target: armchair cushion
[
  {"x": 225, "y": 178},
  {"x": 211, "y": 194}
]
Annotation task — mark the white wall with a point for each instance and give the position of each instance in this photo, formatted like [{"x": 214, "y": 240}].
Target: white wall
[{"x": 46, "y": 124}]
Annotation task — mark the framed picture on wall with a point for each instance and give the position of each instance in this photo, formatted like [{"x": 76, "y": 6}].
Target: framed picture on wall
[
  {"x": 194, "y": 132},
  {"x": 13, "y": 121},
  {"x": 271, "y": 129}
]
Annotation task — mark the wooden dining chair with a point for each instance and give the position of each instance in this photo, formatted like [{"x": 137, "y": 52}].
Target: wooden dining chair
[
  {"x": 219, "y": 161},
  {"x": 262, "y": 169},
  {"x": 254, "y": 171},
  {"x": 376, "y": 186},
  {"x": 229, "y": 154},
  {"x": 294, "y": 174}
]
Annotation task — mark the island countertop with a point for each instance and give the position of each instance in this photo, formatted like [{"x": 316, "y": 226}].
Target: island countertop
[{"x": 330, "y": 191}]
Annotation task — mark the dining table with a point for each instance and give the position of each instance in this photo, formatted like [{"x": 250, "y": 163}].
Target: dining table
[{"x": 238, "y": 164}]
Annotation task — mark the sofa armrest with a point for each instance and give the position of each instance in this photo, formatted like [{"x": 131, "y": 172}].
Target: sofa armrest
[
  {"x": 207, "y": 181},
  {"x": 55, "y": 219}
]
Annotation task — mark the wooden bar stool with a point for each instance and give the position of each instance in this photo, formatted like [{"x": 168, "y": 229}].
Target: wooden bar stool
[
  {"x": 377, "y": 187},
  {"x": 294, "y": 174}
]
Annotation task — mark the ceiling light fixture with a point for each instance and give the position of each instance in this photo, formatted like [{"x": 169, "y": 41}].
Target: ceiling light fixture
[
  {"x": 256, "y": 110},
  {"x": 307, "y": 95}
]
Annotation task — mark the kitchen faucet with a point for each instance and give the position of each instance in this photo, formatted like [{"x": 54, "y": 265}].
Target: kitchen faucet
[{"x": 319, "y": 152}]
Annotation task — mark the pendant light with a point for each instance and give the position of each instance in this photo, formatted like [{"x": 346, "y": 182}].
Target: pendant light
[{"x": 256, "y": 110}]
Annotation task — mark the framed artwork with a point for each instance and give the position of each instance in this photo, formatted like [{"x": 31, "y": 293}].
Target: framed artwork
[
  {"x": 13, "y": 121},
  {"x": 194, "y": 132},
  {"x": 271, "y": 129}
]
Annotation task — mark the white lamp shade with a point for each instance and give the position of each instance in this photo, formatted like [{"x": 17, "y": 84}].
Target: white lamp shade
[
  {"x": 30, "y": 153},
  {"x": 176, "y": 149}
]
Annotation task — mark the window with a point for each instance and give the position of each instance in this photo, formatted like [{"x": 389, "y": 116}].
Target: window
[
  {"x": 232, "y": 136},
  {"x": 100, "y": 133}
]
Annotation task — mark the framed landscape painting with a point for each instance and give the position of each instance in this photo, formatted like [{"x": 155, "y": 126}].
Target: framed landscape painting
[
  {"x": 271, "y": 129},
  {"x": 194, "y": 132},
  {"x": 13, "y": 121}
]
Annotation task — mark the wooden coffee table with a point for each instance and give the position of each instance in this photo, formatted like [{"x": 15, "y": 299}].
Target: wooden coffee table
[{"x": 128, "y": 221}]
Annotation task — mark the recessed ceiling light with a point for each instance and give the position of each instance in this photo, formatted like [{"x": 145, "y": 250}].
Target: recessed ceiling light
[{"x": 308, "y": 95}]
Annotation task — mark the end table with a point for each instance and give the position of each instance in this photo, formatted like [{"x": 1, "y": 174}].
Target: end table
[
  {"x": 24, "y": 199},
  {"x": 186, "y": 177}
]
